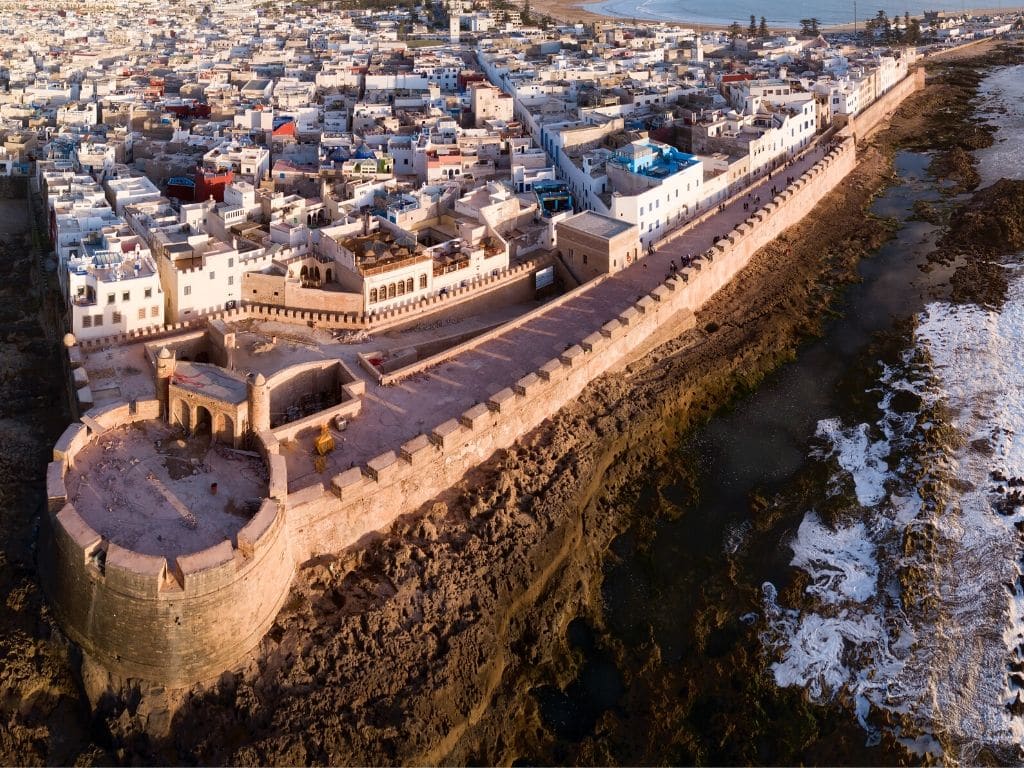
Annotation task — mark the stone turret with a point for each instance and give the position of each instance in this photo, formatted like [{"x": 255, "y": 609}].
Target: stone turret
[
  {"x": 164, "y": 372},
  {"x": 259, "y": 403}
]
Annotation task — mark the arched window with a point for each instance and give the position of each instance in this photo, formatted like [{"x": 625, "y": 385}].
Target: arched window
[
  {"x": 391, "y": 291},
  {"x": 401, "y": 287},
  {"x": 409, "y": 286},
  {"x": 373, "y": 295},
  {"x": 423, "y": 281}
]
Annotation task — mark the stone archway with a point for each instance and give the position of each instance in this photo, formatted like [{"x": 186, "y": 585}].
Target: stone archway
[
  {"x": 182, "y": 415},
  {"x": 224, "y": 429},
  {"x": 330, "y": 276},
  {"x": 204, "y": 421}
]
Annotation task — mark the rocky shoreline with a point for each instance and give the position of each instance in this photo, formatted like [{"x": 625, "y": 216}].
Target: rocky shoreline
[{"x": 423, "y": 646}]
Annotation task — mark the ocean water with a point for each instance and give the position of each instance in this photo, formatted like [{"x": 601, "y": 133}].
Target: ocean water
[
  {"x": 777, "y": 13},
  {"x": 948, "y": 670}
]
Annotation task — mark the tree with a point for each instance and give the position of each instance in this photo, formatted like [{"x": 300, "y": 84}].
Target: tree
[
  {"x": 762, "y": 29},
  {"x": 735, "y": 30},
  {"x": 913, "y": 36},
  {"x": 805, "y": 27},
  {"x": 752, "y": 27},
  {"x": 526, "y": 12},
  {"x": 815, "y": 26}
]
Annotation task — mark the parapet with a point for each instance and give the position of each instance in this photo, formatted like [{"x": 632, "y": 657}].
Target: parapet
[{"x": 138, "y": 614}]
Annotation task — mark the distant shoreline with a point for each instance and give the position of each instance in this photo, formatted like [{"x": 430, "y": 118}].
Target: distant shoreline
[{"x": 587, "y": 11}]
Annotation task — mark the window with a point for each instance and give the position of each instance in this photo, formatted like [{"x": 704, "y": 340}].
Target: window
[
  {"x": 187, "y": 290},
  {"x": 401, "y": 287},
  {"x": 142, "y": 313},
  {"x": 423, "y": 281},
  {"x": 116, "y": 317},
  {"x": 373, "y": 295},
  {"x": 213, "y": 275},
  {"x": 149, "y": 293},
  {"x": 110, "y": 298},
  {"x": 87, "y": 321},
  {"x": 154, "y": 311},
  {"x": 231, "y": 279},
  {"x": 584, "y": 258},
  {"x": 231, "y": 263},
  {"x": 97, "y": 320},
  {"x": 409, "y": 286},
  {"x": 392, "y": 291}
]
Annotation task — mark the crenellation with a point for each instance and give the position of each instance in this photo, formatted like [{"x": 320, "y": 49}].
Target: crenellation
[
  {"x": 629, "y": 316},
  {"x": 552, "y": 371},
  {"x": 133, "y": 573},
  {"x": 502, "y": 401},
  {"x": 383, "y": 469},
  {"x": 181, "y": 602},
  {"x": 446, "y": 434},
  {"x": 70, "y": 442},
  {"x": 474, "y": 417},
  {"x": 56, "y": 491},
  {"x": 348, "y": 485},
  {"x": 594, "y": 341},
  {"x": 646, "y": 304},
  {"x": 573, "y": 356},
  {"x": 417, "y": 451}
]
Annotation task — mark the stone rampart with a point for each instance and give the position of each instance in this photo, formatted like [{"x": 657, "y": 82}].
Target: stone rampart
[
  {"x": 184, "y": 621},
  {"x": 368, "y": 498},
  {"x": 144, "y": 617},
  {"x": 868, "y": 121}
]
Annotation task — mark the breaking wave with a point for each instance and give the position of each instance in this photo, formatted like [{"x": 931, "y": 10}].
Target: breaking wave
[{"x": 913, "y": 609}]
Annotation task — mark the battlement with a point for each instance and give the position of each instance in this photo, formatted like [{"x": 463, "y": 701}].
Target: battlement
[
  {"x": 172, "y": 620},
  {"x": 200, "y": 612}
]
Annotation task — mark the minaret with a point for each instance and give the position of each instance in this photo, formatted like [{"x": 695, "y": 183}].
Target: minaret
[
  {"x": 164, "y": 372},
  {"x": 453, "y": 24}
]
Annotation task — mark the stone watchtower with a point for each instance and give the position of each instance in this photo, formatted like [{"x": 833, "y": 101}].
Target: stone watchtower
[
  {"x": 164, "y": 372},
  {"x": 259, "y": 404}
]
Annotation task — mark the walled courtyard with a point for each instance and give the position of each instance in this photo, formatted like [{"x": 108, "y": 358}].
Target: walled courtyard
[{"x": 148, "y": 488}]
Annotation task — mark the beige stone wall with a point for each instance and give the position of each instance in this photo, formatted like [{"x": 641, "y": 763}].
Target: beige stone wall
[
  {"x": 142, "y": 617},
  {"x": 365, "y": 499},
  {"x": 186, "y": 621}
]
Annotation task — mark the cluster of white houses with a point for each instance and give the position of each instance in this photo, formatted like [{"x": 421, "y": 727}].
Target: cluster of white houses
[{"x": 227, "y": 154}]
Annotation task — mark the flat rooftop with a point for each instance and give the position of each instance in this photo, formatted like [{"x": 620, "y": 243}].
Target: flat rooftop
[
  {"x": 596, "y": 224},
  {"x": 210, "y": 380},
  {"x": 147, "y": 488}
]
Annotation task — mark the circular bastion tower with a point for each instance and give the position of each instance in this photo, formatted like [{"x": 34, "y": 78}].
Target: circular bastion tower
[{"x": 167, "y": 556}]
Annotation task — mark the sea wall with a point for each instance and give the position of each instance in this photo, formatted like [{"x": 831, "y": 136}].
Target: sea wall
[
  {"x": 176, "y": 622},
  {"x": 875, "y": 116},
  {"x": 368, "y": 498},
  {"x": 141, "y": 616}
]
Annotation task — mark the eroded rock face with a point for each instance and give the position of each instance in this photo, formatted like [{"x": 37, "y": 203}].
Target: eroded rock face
[{"x": 42, "y": 714}]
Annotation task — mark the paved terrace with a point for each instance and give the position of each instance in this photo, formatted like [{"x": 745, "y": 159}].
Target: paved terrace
[{"x": 393, "y": 415}]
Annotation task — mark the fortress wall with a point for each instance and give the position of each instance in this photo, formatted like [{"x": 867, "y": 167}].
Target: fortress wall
[
  {"x": 144, "y": 617},
  {"x": 473, "y": 343},
  {"x": 188, "y": 620},
  {"x": 366, "y": 499},
  {"x": 514, "y": 285},
  {"x": 348, "y": 409},
  {"x": 866, "y": 122}
]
